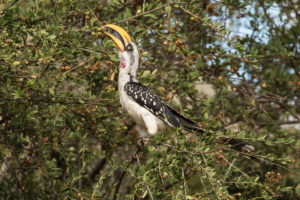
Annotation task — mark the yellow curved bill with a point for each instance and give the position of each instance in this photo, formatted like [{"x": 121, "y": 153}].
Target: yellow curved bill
[
  {"x": 125, "y": 36},
  {"x": 118, "y": 42}
]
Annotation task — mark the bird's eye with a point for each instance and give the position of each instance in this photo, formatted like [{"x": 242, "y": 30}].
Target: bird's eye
[{"x": 129, "y": 48}]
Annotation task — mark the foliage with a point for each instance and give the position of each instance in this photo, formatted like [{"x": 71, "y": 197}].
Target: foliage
[{"x": 64, "y": 134}]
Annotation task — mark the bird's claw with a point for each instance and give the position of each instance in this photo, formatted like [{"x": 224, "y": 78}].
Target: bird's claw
[{"x": 142, "y": 141}]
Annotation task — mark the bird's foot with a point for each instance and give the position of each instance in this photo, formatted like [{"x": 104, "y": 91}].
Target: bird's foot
[
  {"x": 142, "y": 142},
  {"x": 139, "y": 146}
]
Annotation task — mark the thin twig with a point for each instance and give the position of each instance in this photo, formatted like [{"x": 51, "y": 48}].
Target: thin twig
[
  {"x": 231, "y": 164},
  {"x": 196, "y": 16},
  {"x": 150, "y": 11},
  {"x": 8, "y": 7},
  {"x": 79, "y": 65},
  {"x": 184, "y": 183},
  {"x": 229, "y": 168},
  {"x": 182, "y": 151},
  {"x": 209, "y": 179},
  {"x": 159, "y": 171},
  {"x": 263, "y": 158},
  {"x": 278, "y": 122},
  {"x": 203, "y": 184},
  {"x": 93, "y": 13}
]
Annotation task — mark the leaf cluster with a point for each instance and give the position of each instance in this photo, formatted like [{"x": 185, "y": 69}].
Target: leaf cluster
[{"x": 64, "y": 135}]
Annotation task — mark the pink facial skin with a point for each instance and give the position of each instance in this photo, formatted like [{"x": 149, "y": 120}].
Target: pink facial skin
[{"x": 122, "y": 63}]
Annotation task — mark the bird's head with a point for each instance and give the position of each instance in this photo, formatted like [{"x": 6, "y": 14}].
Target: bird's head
[{"x": 128, "y": 52}]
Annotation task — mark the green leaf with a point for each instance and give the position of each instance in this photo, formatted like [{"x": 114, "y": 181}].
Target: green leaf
[
  {"x": 165, "y": 62},
  {"x": 81, "y": 101},
  {"x": 194, "y": 74},
  {"x": 15, "y": 63},
  {"x": 51, "y": 91},
  {"x": 199, "y": 63},
  {"x": 255, "y": 66},
  {"x": 43, "y": 32},
  {"x": 92, "y": 21},
  {"x": 146, "y": 73},
  {"x": 127, "y": 13},
  {"x": 144, "y": 194},
  {"x": 206, "y": 116},
  {"x": 154, "y": 72},
  {"x": 52, "y": 37},
  {"x": 151, "y": 15}
]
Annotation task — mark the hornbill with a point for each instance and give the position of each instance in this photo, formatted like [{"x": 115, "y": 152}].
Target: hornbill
[{"x": 146, "y": 108}]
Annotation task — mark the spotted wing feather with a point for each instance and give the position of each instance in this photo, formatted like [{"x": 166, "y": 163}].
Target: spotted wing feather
[{"x": 146, "y": 98}]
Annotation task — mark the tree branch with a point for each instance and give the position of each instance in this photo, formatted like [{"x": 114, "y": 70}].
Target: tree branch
[
  {"x": 150, "y": 11},
  {"x": 202, "y": 20}
]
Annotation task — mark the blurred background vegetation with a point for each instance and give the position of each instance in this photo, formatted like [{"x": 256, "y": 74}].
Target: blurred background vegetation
[{"x": 232, "y": 66}]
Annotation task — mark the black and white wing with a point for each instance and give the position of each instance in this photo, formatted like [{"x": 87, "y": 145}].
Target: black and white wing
[{"x": 146, "y": 98}]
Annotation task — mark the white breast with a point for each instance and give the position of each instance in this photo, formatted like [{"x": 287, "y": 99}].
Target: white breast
[
  {"x": 136, "y": 112},
  {"x": 133, "y": 109}
]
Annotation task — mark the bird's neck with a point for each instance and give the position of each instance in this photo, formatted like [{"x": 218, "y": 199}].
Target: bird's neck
[
  {"x": 125, "y": 77},
  {"x": 134, "y": 65},
  {"x": 129, "y": 63}
]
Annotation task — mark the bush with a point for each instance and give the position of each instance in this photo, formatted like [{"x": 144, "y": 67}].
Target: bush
[{"x": 64, "y": 134}]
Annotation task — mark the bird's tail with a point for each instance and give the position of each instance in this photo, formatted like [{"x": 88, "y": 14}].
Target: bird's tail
[
  {"x": 189, "y": 125},
  {"x": 184, "y": 122},
  {"x": 236, "y": 144}
]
